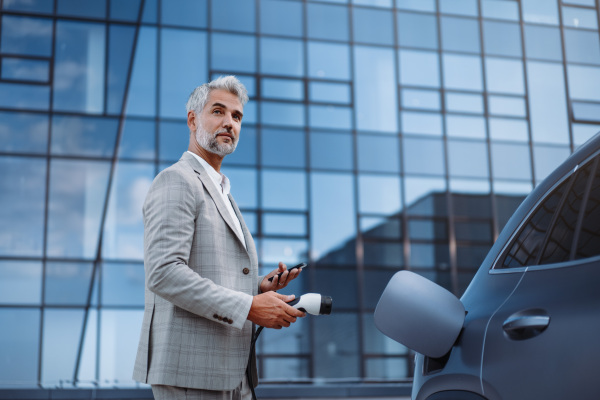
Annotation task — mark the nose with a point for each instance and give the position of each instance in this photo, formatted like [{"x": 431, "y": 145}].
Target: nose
[{"x": 228, "y": 121}]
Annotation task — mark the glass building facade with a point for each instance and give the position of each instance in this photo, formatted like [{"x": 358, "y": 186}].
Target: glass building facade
[{"x": 381, "y": 135}]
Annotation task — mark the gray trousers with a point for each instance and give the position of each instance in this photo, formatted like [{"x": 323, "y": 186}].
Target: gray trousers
[{"x": 163, "y": 392}]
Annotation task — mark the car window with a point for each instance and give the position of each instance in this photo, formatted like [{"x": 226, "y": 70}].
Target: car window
[{"x": 557, "y": 231}]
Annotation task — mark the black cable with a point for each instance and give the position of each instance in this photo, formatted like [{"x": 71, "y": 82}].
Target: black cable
[{"x": 248, "y": 368}]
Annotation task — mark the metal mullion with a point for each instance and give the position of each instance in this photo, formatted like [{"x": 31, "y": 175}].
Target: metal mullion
[{"x": 570, "y": 113}]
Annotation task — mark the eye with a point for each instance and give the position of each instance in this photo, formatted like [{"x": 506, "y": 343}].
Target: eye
[
  {"x": 217, "y": 111},
  {"x": 237, "y": 117}
]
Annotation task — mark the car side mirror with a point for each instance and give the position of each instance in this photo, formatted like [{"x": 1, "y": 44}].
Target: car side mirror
[{"x": 419, "y": 314}]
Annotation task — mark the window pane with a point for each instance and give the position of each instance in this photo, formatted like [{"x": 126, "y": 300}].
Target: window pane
[
  {"x": 508, "y": 129},
  {"x": 23, "y": 187},
  {"x": 286, "y": 89},
  {"x": 62, "y": 332},
  {"x": 589, "y": 237},
  {"x": 123, "y": 284},
  {"x": 428, "y": 229},
  {"x": 460, "y": 34},
  {"x": 465, "y": 126},
  {"x": 373, "y": 26},
  {"x": 467, "y": 159},
  {"x": 378, "y": 153},
  {"x": 223, "y": 59},
  {"x": 423, "y": 156},
  {"x": 330, "y": 92},
  {"x": 547, "y": 158},
  {"x": 417, "y": 5},
  {"x": 379, "y": 194},
  {"x": 22, "y": 69},
  {"x": 582, "y": 46},
  {"x": 339, "y": 332},
  {"x": 576, "y": 17},
  {"x": 84, "y": 136},
  {"x": 125, "y": 10},
  {"x": 281, "y": 18},
  {"x": 120, "y": 42},
  {"x": 543, "y": 42},
  {"x": 82, "y": 8},
  {"x": 507, "y": 10},
  {"x": 76, "y": 203},
  {"x": 509, "y": 106},
  {"x": 417, "y": 30},
  {"x": 540, "y": 12},
  {"x": 383, "y": 255},
  {"x": 242, "y": 20},
  {"x": 281, "y": 57},
  {"x": 283, "y": 190},
  {"x": 173, "y": 140},
  {"x": 330, "y": 117},
  {"x": 41, "y": 6},
  {"x": 332, "y": 216},
  {"x": 138, "y": 139},
  {"x": 23, "y": 132},
  {"x": 511, "y": 161},
  {"x": 463, "y": 102},
  {"x": 327, "y": 60},
  {"x": 26, "y": 36},
  {"x": 284, "y": 224},
  {"x": 381, "y": 227},
  {"x": 460, "y": 7},
  {"x": 321, "y": 155},
  {"x": 80, "y": 46},
  {"x": 504, "y": 76},
  {"x": 284, "y": 114},
  {"x": 584, "y": 82},
  {"x": 419, "y": 68},
  {"x": 288, "y": 251},
  {"x": 282, "y": 368},
  {"x": 425, "y": 196},
  {"x": 189, "y": 13},
  {"x": 67, "y": 283},
  {"x": 283, "y": 148},
  {"x": 141, "y": 97},
  {"x": 329, "y": 22},
  {"x": 244, "y": 186},
  {"x": 124, "y": 228},
  {"x": 422, "y": 123},
  {"x": 20, "y": 345},
  {"x": 245, "y": 153},
  {"x": 462, "y": 72},
  {"x": 421, "y": 99},
  {"x": 20, "y": 282},
  {"x": 502, "y": 39},
  {"x": 24, "y": 96}
]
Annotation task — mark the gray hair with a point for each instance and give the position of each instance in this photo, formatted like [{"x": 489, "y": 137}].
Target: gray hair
[{"x": 230, "y": 83}]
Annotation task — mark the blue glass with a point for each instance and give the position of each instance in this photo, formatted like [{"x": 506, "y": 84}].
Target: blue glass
[
  {"x": 465, "y": 126},
  {"x": 80, "y": 46},
  {"x": 379, "y": 194},
  {"x": 464, "y": 102},
  {"x": 123, "y": 228},
  {"x": 23, "y": 132},
  {"x": 84, "y": 136},
  {"x": 180, "y": 69},
  {"x": 122, "y": 284},
  {"x": 423, "y": 195},
  {"x": 141, "y": 96},
  {"x": 583, "y": 132},
  {"x": 374, "y": 3},
  {"x": 150, "y": 13},
  {"x": 288, "y": 251},
  {"x": 462, "y": 72},
  {"x": 548, "y": 113},
  {"x": 250, "y": 113},
  {"x": 118, "y": 345},
  {"x": 127, "y": 10},
  {"x": 332, "y": 218},
  {"x": 421, "y": 123},
  {"x": 233, "y": 15},
  {"x": 67, "y": 283},
  {"x": 283, "y": 114},
  {"x": 241, "y": 60},
  {"x": 328, "y": 60},
  {"x": 174, "y": 138},
  {"x": 287, "y": 89},
  {"x": 506, "y": 10},
  {"x": 373, "y": 26},
  {"x": 576, "y": 17},
  {"x": 273, "y": 343},
  {"x": 82, "y": 8},
  {"x": 283, "y": 190},
  {"x": 284, "y": 224},
  {"x": 23, "y": 187},
  {"x": 381, "y": 227},
  {"x": 38, "y": 6},
  {"x": 120, "y": 41},
  {"x": 586, "y": 111},
  {"x": 417, "y": 30},
  {"x": 540, "y": 11},
  {"x": 383, "y": 255},
  {"x": 138, "y": 139},
  {"x": 282, "y": 57},
  {"x": 509, "y": 129},
  {"x": 20, "y": 282},
  {"x": 26, "y": 36},
  {"x": 547, "y": 158},
  {"x": 582, "y": 46},
  {"x": 543, "y": 42},
  {"x": 427, "y": 229},
  {"x": 419, "y": 68},
  {"x": 338, "y": 332},
  {"x": 380, "y": 89},
  {"x": 378, "y": 153},
  {"x": 62, "y": 332},
  {"x": 388, "y": 368},
  {"x": 20, "y": 345},
  {"x": 281, "y": 17},
  {"x": 188, "y": 13},
  {"x": 505, "y": 105},
  {"x": 283, "y": 148},
  {"x": 423, "y": 155},
  {"x": 467, "y": 158},
  {"x": 24, "y": 96},
  {"x": 330, "y": 117},
  {"x": 329, "y": 92},
  {"x": 590, "y": 3},
  {"x": 279, "y": 368},
  {"x": 251, "y": 220},
  {"x": 75, "y": 206},
  {"x": 246, "y": 152},
  {"x": 460, "y": 34},
  {"x": 22, "y": 69},
  {"x": 584, "y": 82},
  {"x": 459, "y": 7},
  {"x": 511, "y": 161},
  {"x": 322, "y": 156},
  {"x": 329, "y": 22},
  {"x": 244, "y": 185},
  {"x": 417, "y": 5},
  {"x": 421, "y": 99},
  {"x": 502, "y": 39}
]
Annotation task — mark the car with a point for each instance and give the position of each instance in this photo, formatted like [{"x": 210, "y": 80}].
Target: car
[{"x": 528, "y": 324}]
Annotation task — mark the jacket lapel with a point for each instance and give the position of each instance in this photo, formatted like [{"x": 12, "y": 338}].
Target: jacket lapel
[{"x": 247, "y": 235}]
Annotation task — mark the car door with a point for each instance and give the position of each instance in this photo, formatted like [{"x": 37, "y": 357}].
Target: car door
[{"x": 543, "y": 342}]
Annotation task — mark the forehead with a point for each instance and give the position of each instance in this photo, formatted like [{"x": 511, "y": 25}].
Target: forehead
[{"x": 227, "y": 99}]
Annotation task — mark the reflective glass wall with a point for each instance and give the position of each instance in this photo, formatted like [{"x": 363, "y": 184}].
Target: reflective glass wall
[{"x": 381, "y": 135}]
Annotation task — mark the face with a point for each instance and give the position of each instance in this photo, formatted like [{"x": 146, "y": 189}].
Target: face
[{"x": 219, "y": 124}]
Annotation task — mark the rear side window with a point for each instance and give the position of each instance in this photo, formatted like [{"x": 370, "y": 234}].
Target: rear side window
[{"x": 565, "y": 226}]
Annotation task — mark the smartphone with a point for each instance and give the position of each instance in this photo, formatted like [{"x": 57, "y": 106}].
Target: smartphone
[{"x": 300, "y": 266}]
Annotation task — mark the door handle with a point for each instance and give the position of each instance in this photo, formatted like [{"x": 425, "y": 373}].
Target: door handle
[{"x": 526, "y": 324}]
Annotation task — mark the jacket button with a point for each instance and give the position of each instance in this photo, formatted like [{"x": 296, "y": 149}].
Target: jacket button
[
  {"x": 215, "y": 316},
  {"x": 246, "y": 271},
  {"x": 230, "y": 322}
]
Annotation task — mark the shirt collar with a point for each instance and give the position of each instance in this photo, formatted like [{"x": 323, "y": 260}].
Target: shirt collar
[{"x": 221, "y": 181}]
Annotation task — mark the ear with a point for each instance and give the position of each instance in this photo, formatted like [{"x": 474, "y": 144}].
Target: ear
[{"x": 192, "y": 121}]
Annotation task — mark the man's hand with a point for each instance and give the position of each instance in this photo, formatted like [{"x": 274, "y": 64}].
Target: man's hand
[
  {"x": 279, "y": 283},
  {"x": 272, "y": 311}
]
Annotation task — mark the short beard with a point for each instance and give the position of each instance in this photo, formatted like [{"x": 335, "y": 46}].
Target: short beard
[{"x": 210, "y": 143}]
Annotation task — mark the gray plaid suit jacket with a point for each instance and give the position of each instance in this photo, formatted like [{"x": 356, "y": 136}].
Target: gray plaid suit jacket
[{"x": 200, "y": 280}]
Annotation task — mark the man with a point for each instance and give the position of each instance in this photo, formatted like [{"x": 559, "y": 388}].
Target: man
[{"x": 202, "y": 283}]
